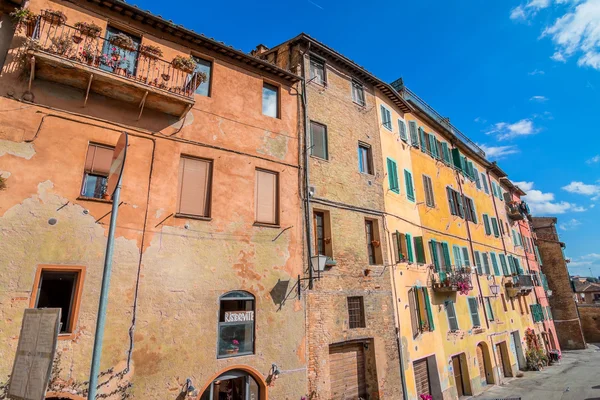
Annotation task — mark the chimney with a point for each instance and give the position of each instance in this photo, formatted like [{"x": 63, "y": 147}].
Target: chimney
[{"x": 260, "y": 49}]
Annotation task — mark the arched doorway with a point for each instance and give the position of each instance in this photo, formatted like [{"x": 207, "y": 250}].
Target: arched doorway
[
  {"x": 485, "y": 364},
  {"x": 239, "y": 383}
]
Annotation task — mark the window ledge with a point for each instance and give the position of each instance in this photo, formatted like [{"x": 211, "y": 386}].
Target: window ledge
[
  {"x": 197, "y": 217},
  {"x": 319, "y": 158},
  {"x": 359, "y": 104},
  {"x": 66, "y": 336},
  {"x": 265, "y": 225},
  {"x": 93, "y": 199},
  {"x": 225, "y": 356}
]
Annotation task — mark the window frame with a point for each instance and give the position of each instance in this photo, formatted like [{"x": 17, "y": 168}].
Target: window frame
[
  {"x": 277, "y": 89},
  {"x": 325, "y": 141},
  {"x": 355, "y": 83},
  {"x": 393, "y": 179},
  {"x": 197, "y": 57},
  {"x": 75, "y": 301},
  {"x": 447, "y": 303},
  {"x": 471, "y": 300},
  {"x": 85, "y": 174},
  {"x": 327, "y": 239},
  {"x": 249, "y": 297},
  {"x": 375, "y": 237},
  {"x": 402, "y": 130},
  {"x": 410, "y": 194},
  {"x": 369, "y": 161},
  {"x": 209, "y": 182},
  {"x": 277, "y": 198},
  {"x": 323, "y": 63},
  {"x": 429, "y": 193},
  {"x": 361, "y": 323},
  {"x": 384, "y": 110}
]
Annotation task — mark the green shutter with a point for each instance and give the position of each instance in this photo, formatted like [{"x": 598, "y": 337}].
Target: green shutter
[
  {"x": 518, "y": 266},
  {"x": 537, "y": 255},
  {"x": 474, "y": 310},
  {"x": 488, "y": 307},
  {"x": 486, "y": 224},
  {"x": 511, "y": 264},
  {"x": 457, "y": 256},
  {"x": 412, "y": 127},
  {"x": 495, "y": 264},
  {"x": 446, "y": 153},
  {"x": 456, "y": 158},
  {"x": 402, "y": 128},
  {"x": 410, "y": 192},
  {"x": 486, "y": 263},
  {"x": 477, "y": 178},
  {"x": 478, "y": 263},
  {"x": 544, "y": 281},
  {"x": 549, "y": 311},
  {"x": 452, "y": 320},
  {"x": 495, "y": 227},
  {"x": 409, "y": 247},
  {"x": 434, "y": 255},
  {"x": 393, "y": 175},
  {"x": 459, "y": 206},
  {"x": 419, "y": 249},
  {"x": 423, "y": 140},
  {"x": 453, "y": 210},
  {"x": 433, "y": 145},
  {"x": 503, "y": 264},
  {"x": 463, "y": 164},
  {"x": 465, "y": 253},
  {"x": 428, "y": 308},
  {"x": 447, "y": 260}
]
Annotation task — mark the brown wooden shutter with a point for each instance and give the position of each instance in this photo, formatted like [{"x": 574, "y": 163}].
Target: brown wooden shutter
[
  {"x": 414, "y": 313},
  {"x": 98, "y": 160},
  {"x": 194, "y": 187},
  {"x": 266, "y": 197},
  {"x": 481, "y": 362},
  {"x": 347, "y": 372},
  {"x": 421, "y": 376}
]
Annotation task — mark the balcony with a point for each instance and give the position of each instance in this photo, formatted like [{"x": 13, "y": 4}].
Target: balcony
[
  {"x": 452, "y": 279},
  {"x": 513, "y": 210},
  {"x": 119, "y": 70},
  {"x": 519, "y": 285}
]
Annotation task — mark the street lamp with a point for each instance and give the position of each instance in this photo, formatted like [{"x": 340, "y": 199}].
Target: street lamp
[
  {"x": 318, "y": 262},
  {"x": 495, "y": 289}
]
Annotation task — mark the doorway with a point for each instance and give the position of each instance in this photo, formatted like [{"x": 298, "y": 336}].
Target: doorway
[
  {"x": 516, "y": 339},
  {"x": 485, "y": 366},
  {"x": 461, "y": 375},
  {"x": 503, "y": 360},
  {"x": 232, "y": 385},
  {"x": 347, "y": 371}
]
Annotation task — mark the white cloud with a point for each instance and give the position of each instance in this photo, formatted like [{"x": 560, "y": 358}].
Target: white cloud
[
  {"x": 580, "y": 263},
  {"x": 536, "y": 72},
  {"x": 530, "y": 9},
  {"x": 594, "y": 160},
  {"x": 584, "y": 189},
  {"x": 506, "y": 130},
  {"x": 577, "y": 32},
  {"x": 569, "y": 225},
  {"x": 540, "y": 99},
  {"x": 542, "y": 203},
  {"x": 518, "y": 13},
  {"x": 480, "y": 119},
  {"x": 498, "y": 152}
]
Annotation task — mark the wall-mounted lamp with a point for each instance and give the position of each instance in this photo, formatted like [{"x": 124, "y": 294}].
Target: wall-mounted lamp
[
  {"x": 549, "y": 292},
  {"x": 189, "y": 388},
  {"x": 318, "y": 262},
  {"x": 495, "y": 289},
  {"x": 273, "y": 374}
]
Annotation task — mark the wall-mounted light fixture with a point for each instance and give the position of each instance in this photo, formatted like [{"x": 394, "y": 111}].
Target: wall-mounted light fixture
[{"x": 495, "y": 289}]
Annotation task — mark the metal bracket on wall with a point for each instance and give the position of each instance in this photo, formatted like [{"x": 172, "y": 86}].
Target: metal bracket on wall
[
  {"x": 87, "y": 93},
  {"x": 141, "y": 106},
  {"x": 32, "y": 73}
]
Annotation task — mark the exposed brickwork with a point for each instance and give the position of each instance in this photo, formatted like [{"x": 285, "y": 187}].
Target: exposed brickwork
[
  {"x": 564, "y": 309},
  {"x": 590, "y": 321}
]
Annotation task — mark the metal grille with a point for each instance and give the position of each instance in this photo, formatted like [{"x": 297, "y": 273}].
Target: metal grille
[{"x": 356, "y": 312}]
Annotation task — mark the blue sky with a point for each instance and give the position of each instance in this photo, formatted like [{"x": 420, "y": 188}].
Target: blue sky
[{"x": 521, "y": 78}]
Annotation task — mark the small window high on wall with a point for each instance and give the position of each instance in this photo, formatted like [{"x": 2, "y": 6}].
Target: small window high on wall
[
  {"x": 267, "y": 197},
  {"x": 194, "y": 187},
  {"x": 97, "y": 167},
  {"x": 236, "y": 324}
]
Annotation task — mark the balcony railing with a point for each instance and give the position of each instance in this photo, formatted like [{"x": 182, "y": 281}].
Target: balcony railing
[
  {"x": 452, "y": 279},
  {"x": 126, "y": 60},
  {"x": 519, "y": 285},
  {"x": 514, "y": 211}
]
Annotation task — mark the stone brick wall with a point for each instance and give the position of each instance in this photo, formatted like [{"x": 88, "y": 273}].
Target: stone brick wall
[
  {"x": 564, "y": 309},
  {"x": 590, "y": 321}
]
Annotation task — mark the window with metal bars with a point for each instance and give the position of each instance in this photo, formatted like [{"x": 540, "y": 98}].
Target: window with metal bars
[{"x": 356, "y": 312}]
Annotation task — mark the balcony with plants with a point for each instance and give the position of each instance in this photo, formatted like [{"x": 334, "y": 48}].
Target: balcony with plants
[
  {"x": 452, "y": 279},
  {"x": 118, "y": 66},
  {"x": 518, "y": 285}
]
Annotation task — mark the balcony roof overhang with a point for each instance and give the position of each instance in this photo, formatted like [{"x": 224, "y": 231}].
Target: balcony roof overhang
[{"x": 54, "y": 68}]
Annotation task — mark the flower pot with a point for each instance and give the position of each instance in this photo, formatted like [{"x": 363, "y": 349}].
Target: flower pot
[
  {"x": 106, "y": 196},
  {"x": 77, "y": 39},
  {"x": 54, "y": 17}
]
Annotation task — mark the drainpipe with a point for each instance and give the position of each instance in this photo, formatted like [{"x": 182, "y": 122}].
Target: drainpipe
[
  {"x": 397, "y": 319},
  {"x": 470, "y": 240}
]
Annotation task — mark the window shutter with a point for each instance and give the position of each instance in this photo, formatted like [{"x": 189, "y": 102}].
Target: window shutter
[
  {"x": 456, "y": 158},
  {"x": 486, "y": 263},
  {"x": 466, "y": 260},
  {"x": 518, "y": 266},
  {"x": 485, "y": 183},
  {"x": 98, "y": 160},
  {"x": 402, "y": 128},
  {"x": 434, "y": 255},
  {"x": 410, "y": 193},
  {"x": 457, "y": 256},
  {"x": 419, "y": 249},
  {"x": 428, "y": 308},
  {"x": 409, "y": 247},
  {"x": 393, "y": 175},
  {"x": 495, "y": 227},
  {"x": 503, "y": 264},
  {"x": 474, "y": 309},
  {"x": 422, "y": 140},
  {"x": 433, "y": 145},
  {"x": 194, "y": 181},
  {"x": 452, "y": 321},
  {"x": 478, "y": 263},
  {"x": 413, "y": 311},
  {"x": 414, "y": 140},
  {"x": 446, "y": 152},
  {"x": 459, "y": 206},
  {"x": 495, "y": 264},
  {"x": 451, "y": 201},
  {"x": 446, "y": 252},
  {"x": 490, "y": 310},
  {"x": 266, "y": 197},
  {"x": 477, "y": 178},
  {"x": 486, "y": 224}
]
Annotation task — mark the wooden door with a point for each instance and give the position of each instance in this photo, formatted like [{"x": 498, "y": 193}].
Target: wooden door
[
  {"x": 500, "y": 359},
  {"x": 481, "y": 362},
  {"x": 421, "y": 377},
  {"x": 347, "y": 372},
  {"x": 458, "y": 376}
]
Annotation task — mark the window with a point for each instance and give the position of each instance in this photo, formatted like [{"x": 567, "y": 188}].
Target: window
[
  {"x": 423, "y": 140},
  {"x": 318, "y": 140},
  {"x": 358, "y": 92},
  {"x": 488, "y": 308},
  {"x": 477, "y": 256},
  {"x": 236, "y": 324},
  {"x": 414, "y": 139},
  {"x": 452, "y": 320},
  {"x": 365, "y": 159},
  {"x": 474, "y": 310},
  {"x": 400, "y": 248},
  {"x": 477, "y": 178},
  {"x": 495, "y": 227},
  {"x": 322, "y": 226},
  {"x": 373, "y": 243},
  {"x": 402, "y": 130},
  {"x": 409, "y": 250},
  {"x": 270, "y": 100},
  {"x": 486, "y": 224},
  {"x": 470, "y": 212},
  {"x": 446, "y": 153},
  {"x": 317, "y": 71},
  {"x": 420, "y": 310},
  {"x": 410, "y": 190},
  {"x": 393, "y": 176},
  {"x": 356, "y": 312},
  {"x": 204, "y": 67},
  {"x": 421, "y": 377},
  {"x": 458, "y": 262},
  {"x": 486, "y": 263},
  {"x": 419, "y": 249},
  {"x": 520, "y": 306},
  {"x": 386, "y": 118},
  {"x": 97, "y": 167},
  {"x": 495, "y": 264},
  {"x": 428, "y": 188},
  {"x": 193, "y": 197},
  {"x": 440, "y": 254},
  {"x": 512, "y": 303},
  {"x": 465, "y": 253},
  {"x": 485, "y": 183},
  {"x": 266, "y": 197},
  {"x": 455, "y": 202},
  {"x": 233, "y": 381},
  {"x": 127, "y": 59},
  {"x": 59, "y": 287}
]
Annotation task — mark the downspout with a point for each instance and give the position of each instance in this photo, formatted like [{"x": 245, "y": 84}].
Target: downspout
[
  {"x": 397, "y": 319},
  {"x": 487, "y": 323}
]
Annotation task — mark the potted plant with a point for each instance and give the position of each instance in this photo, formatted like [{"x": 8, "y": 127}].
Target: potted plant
[
  {"x": 88, "y": 28},
  {"x": 23, "y": 17},
  {"x": 376, "y": 243},
  {"x": 234, "y": 347},
  {"x": 62, "y": 45},
  {"x": 185, "y": 64},
  {"x": 123, "y": 41},
  {"x": 89, "y": 54},
  {"x": 151, "y": 51},
  {"x": 54, "y": 17}
]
